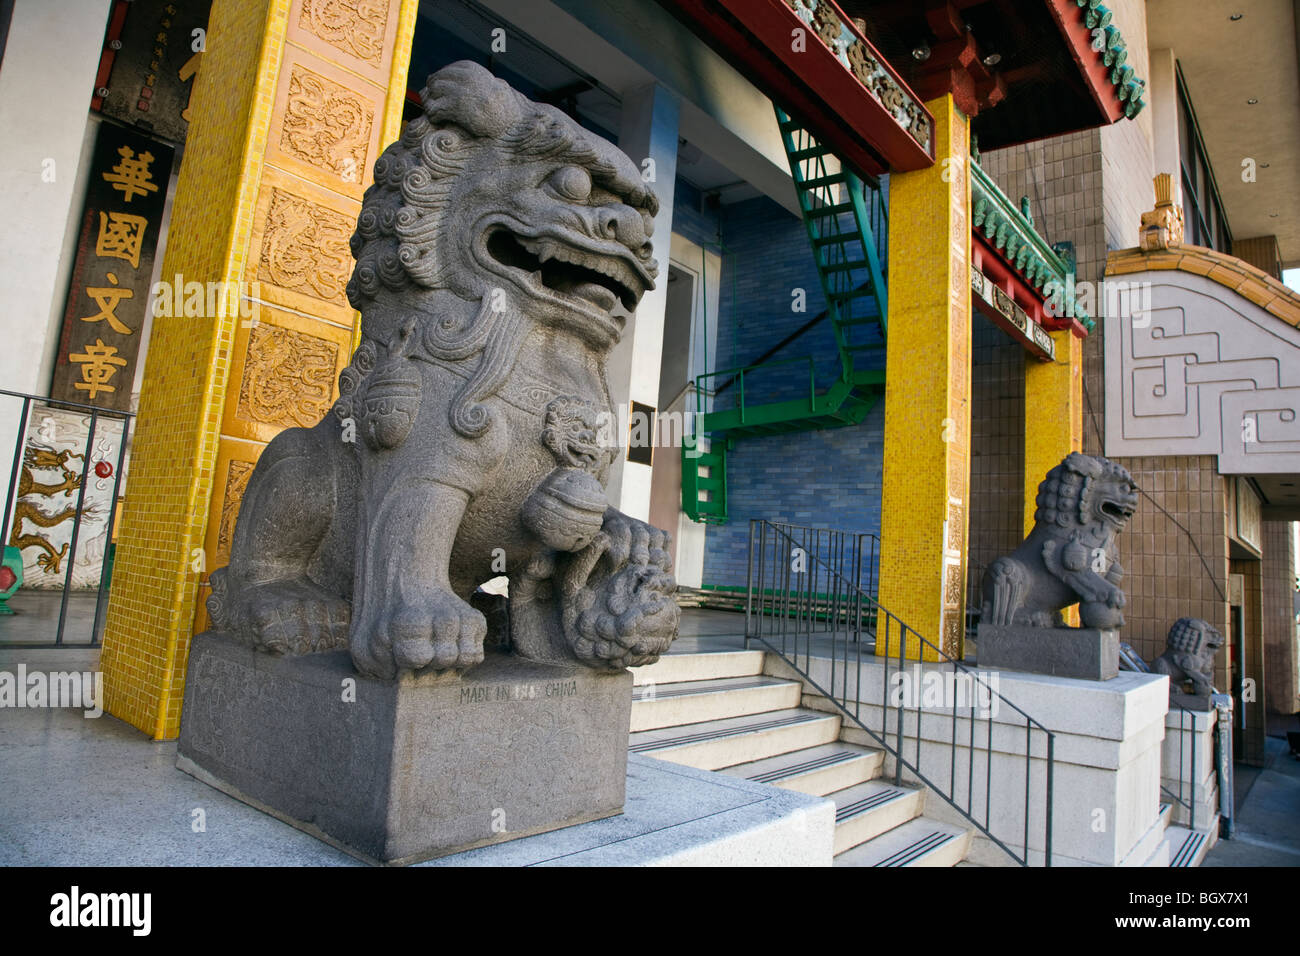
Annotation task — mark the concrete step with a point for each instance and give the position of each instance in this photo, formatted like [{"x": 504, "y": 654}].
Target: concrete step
[
  {"x": 705, "y": 665},
  {"x": 1188, "y": 847},
  {"x": 869, "y": 809},
  {"x": 919, "y": 842},
  {"x": 693, "y": 702},
  {"x": 714, "y": 744},
  {"x": 1152, "y": 848},
  {"x": 815, "y": 770}
]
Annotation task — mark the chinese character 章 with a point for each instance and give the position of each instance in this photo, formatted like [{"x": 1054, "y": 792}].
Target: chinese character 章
[{"x": 97, "y": 367}]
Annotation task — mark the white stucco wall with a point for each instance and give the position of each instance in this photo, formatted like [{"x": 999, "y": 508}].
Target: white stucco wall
[{"x": 46, "y": 82}]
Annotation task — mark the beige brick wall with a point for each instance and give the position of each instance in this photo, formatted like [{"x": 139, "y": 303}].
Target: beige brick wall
[
  {"x": 1165, "y": 570},
  {"x": 997, "y": 447},
  {"x": 1282, "y": 690}
]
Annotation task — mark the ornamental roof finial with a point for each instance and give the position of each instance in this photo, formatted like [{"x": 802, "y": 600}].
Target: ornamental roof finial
[{"x": 1163, "y": 225}]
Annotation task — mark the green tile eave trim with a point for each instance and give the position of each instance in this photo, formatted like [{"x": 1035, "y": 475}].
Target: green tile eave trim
[
  {"x": 1012, "y": 234},
  {"x": 1113, "y": 52}
]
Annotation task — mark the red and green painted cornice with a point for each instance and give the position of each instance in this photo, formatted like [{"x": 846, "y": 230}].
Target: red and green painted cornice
[
  {"x": 1099, "y": 49},
  {"x": 1010, "y": 232}
]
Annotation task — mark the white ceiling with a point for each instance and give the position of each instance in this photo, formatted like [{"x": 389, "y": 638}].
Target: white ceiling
[{"x": 1225, "y": 63}]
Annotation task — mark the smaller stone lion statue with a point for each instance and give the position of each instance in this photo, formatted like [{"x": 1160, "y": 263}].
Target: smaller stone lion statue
[
  {"x": 1189, "y": 656},
  {"x": 1070, "y": 555}
]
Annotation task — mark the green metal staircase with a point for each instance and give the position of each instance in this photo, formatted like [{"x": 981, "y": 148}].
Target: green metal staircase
[{"x": 845, "y": 218}]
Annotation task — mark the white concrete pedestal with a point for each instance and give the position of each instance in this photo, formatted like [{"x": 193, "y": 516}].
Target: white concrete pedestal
[{"x": 1187, "y": 769}]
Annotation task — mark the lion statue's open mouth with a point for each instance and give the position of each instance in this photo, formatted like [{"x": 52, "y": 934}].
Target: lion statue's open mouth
[{"x": 597, "y": 277}]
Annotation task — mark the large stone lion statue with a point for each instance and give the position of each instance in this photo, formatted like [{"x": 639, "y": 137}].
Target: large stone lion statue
[
  {"x": 1189, "y": 655},
  {"x": 499, "y": 253},
  {"x": 1070, "y": 555}
]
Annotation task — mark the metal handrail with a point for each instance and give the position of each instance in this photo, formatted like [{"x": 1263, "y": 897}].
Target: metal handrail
[
  {"x": 739, "y": 373},
  {"x": 10, "y": 500},
  {"x": 1188, "y": 804},
  {"x": 838, "y": 619}
]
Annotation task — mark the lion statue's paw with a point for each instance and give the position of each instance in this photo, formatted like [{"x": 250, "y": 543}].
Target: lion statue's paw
[
  {"x": 283, "y": 617},
  {"x": 624, "y": 620},
  {"x": 441, "y": 633}
]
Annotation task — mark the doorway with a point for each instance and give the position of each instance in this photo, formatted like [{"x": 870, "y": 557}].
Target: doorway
[{"x": 689, "y": 342}]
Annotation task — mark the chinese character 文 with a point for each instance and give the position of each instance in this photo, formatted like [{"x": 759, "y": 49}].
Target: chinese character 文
[
  {"x": 107, "y": 298},
  {"x": 99, "y": 363},
  {"x": 120, "y": 236},
  {"x": 131, "y": 176}
]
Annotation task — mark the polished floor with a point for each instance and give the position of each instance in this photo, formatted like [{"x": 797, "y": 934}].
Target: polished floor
[
  {"x": 36, "y": 617},
  {"x": 703, "y": 630}
]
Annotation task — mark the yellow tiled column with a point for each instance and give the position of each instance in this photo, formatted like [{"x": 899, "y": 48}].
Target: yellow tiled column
[
  {"x": 927, "y": 398},
  {"x": 1053, "y": 413},
  {"x": 292, "y": 104},
  {"x": 1053, "y": 421}
]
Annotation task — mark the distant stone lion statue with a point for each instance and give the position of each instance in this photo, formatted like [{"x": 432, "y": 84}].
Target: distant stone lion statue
[
  {"x": 1070, "y": 555},
  {"x": 499, "y": 253},
  {"x": 1189, "y": 656}
]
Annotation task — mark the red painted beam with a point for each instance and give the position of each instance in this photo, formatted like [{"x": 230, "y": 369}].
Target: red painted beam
[
  {"x": 755, "y": 36},
  {"x": 109, "y": 54},
  {"x": 986, "y": 258}
]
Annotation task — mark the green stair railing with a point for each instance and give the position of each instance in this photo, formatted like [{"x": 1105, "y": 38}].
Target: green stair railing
[{"x": 847, "y": 221}]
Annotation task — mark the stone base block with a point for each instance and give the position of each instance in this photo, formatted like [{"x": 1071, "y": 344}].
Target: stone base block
[
  {"x": 1199, "y": 703},
  {"x": 1085, "y": 653},
  {"x": 396, "y": 772}
]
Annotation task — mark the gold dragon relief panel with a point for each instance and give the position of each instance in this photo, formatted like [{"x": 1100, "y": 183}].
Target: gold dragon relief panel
[
  {"x": 359, "y": 35},
  {"x": 958, "y": 469},
  {"x": 285, "y": 374},
  {"x": 237, "y": 475},
  {"x": 953, "y": 584},
  {"x": 954, "y": 634},
  {"x": 325, "y": 124},
  {"x": 288, "y": 377},
  {"x": 956, "y": 527},
  {"x": 354, "y": 27},
  {"x": 304, "y": 248}
]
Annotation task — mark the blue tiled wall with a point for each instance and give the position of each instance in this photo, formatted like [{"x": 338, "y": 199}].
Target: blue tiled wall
[{"x": 828, "y": 478}]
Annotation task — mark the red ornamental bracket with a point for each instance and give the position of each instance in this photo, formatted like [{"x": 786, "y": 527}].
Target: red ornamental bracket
[{"x": 876, "y": 124}]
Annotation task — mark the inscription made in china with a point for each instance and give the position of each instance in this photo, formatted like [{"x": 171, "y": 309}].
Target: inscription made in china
[{"x": 496, "y": 692}]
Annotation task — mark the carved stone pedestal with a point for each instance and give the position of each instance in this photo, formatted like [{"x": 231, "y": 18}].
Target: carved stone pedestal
[
  {"x": 1084, "y": 652},
  {"x": 406, "y": 770}
]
